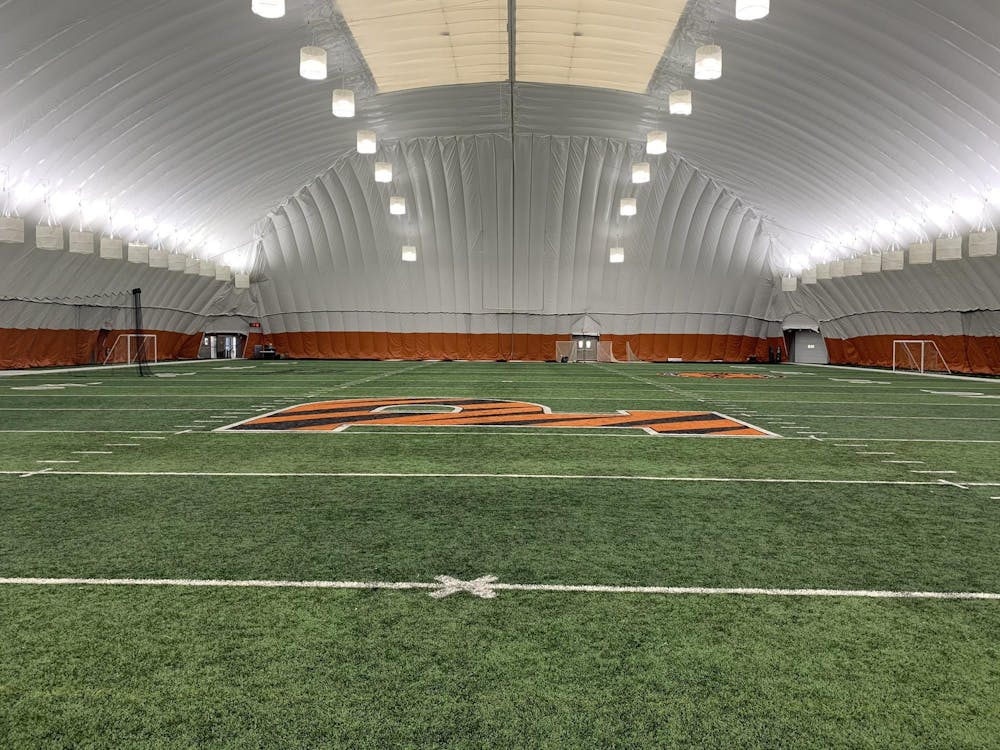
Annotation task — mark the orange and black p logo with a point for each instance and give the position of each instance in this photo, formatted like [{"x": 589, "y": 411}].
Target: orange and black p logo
[{"x": 339, "y": 415}]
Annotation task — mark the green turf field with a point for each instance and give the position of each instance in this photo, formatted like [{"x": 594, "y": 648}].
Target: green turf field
[{"x": 876, "y": 483}]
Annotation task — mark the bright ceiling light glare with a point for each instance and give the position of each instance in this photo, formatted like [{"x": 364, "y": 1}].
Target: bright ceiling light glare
[
  {"x": 27, "y": 193},
  {"x": 656, "y": 142},
  {"x": 96, "y": 210},
  {"x": 409, "y": 253},
  {"x": 752, "y": 10},
  {"x": 397, "y": 205},
  {"x": 628, "y": 207},
  {"x": 63, "y": 204},
  {"x": 885, "y": 227},
  {"x": 268, "y": 8},
  {"x": 312, "y": 63},
  {"x": 367, "y": 141},
  {"x": 616, "y": 255},
  {"x": 640, "y": 173},
  {"x": 968, "y": 208},
  {"x": 124, "y": 219},
  {"x": 383, "y": 171},
  {"x": 343, "y": 103},
  {"x": 938, "y": 214},
  {"x": 708, "y": 62},
  {"x": 799, "y": 263},
  {"x": 681, "y": 103}
]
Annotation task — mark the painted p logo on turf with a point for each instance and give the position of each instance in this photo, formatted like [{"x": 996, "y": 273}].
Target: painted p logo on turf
[{"x": 342, "y": 414}]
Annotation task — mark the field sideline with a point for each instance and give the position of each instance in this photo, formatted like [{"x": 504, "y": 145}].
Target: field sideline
[{"x": 510, "y": 586}]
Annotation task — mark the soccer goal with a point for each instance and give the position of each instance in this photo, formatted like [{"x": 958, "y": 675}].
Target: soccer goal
[
  {"x": 565, "y": 351},
  {"x": 919, "y": 355},
  {"x": 132, "y": 348}
]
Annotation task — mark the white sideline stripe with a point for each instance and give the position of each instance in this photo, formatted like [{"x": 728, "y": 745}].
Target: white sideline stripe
[
  {"x": 122, "y": 445},
  {"x": 94, "y": 453},
  {"x": 49, "y": 461},
  {"x": 98, "y": 368},
  {"x": 882, "y": 416},
  {"x": 887, "y": 373},
  {"x": 876, "y": 453},
  {"x": 540, "y": 587},
  {"x": 432, "y": 475},
  {"x": 849, "y": 445},
  {"x": 927, "y": 471},
  {"x": 141, "y": 437},
  {"x": 904, "y": 462}
]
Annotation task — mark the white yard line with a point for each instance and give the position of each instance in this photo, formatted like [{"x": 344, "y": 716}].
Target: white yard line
[
  {"x": 440, "y": 475},
  {"x": 486, "y": 587},
  {"x": 94, "y": 453},
  {"x": 983, "y": 380},
  {"x": 904, "y": 462},
  {"x": 931, "y": 471}
]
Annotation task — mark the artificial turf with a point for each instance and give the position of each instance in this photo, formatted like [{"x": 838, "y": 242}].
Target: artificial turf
[{"x": 154, "y": 493}]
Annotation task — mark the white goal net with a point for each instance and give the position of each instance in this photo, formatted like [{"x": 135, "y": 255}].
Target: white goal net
[
  {"x": 129, "y": 348},
  {"x": 565, "y": 351},
  {"x": 571, "y": 351},
  {"x": 917, "y": 355}
]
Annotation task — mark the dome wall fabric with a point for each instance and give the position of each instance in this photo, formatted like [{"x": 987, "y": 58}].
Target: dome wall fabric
[
  {"x": 695, "y": 283},
  {"x": 59, "y": 308}
]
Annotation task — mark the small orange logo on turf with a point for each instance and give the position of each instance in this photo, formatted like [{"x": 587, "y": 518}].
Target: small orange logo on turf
[{"x": 339, "y": 415}]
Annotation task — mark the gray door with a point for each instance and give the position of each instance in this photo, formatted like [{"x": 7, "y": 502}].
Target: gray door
[{"x": 808, "y": 347}]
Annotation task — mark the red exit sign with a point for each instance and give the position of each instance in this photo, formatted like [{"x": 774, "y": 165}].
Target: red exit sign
[{"x": 255, "y": 325}]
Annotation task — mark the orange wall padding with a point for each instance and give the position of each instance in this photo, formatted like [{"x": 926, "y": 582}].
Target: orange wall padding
[
  {"x": 523, "y": 346},
  {"x": 43, "y": 347},
  {"x": 978, "y": 355}
]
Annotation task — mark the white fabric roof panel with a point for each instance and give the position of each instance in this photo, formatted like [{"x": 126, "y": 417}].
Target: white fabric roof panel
[
  {"x": 604, "y": 43},
  {"x": 411, "y": 45}
]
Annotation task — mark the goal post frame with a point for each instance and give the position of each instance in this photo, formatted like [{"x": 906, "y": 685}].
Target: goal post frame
[
  {"x": 921, "y": 365},
  {"x": 133, "y": 348}
]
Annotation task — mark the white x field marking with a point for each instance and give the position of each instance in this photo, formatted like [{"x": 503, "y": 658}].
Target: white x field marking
[{"x": 486, "y": 587}]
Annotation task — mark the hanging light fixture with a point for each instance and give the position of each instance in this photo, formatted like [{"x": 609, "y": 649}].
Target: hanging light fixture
[
  {"x": 397, "y": 205},
  {"x": 640, "y": 173},
  {"x": 410, "y": 253},
  {"x": 343, "y": 103},
  {"x": 268, "y": 8},
  {"x": 752, "y": 10},
  {"x": 656, "y": 142},
  {"x": 628, "y": 207},
  {"x": 367, "y": 141},
  {"x": 708, "y": 62},
  {"x": 312, "y": 63},
  {"x": 617, "y": 255},
  {"x": 680, "y": 102},
  {"x": 383, "y": 171}
]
